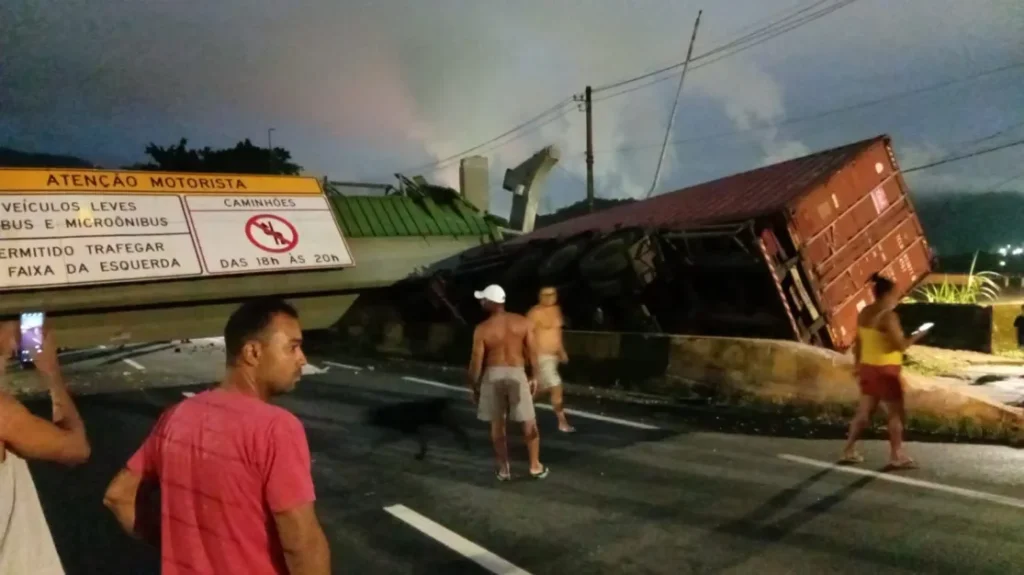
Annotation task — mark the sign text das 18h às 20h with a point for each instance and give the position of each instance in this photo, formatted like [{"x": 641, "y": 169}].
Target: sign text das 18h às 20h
[
  {"x": 57, "y": 229},
  {"x": 267, "y": 233}
]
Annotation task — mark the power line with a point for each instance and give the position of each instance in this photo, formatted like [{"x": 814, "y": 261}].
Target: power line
[
  {"x": 995, "y": 188},
  {"x": 440, "y": 165},
  {"x": 1001, "y": 132},
  {"x": 553, "y": 109},
  {"x": 950, "y": 159},
  {"x": 755, "y": 23},
  {"x": 757, "y": 37},
  {"x": 1002, "y": 183},
  {"x": 770, "y": 34},
  {"x": 834, "y": 111},
  {"x": 679, "y": 65},
  {"x": 774, "y": 33}
]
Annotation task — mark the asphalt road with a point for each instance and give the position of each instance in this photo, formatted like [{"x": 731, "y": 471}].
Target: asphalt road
[{"x": 683, "y": 497}]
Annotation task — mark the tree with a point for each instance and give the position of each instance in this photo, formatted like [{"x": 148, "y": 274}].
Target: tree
[{"x": 244, "y": 158}]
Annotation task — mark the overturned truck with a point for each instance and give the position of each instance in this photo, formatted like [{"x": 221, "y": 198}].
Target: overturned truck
[{"x": 783, "y": 251}]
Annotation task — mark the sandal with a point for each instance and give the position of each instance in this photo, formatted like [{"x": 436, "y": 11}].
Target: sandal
[
  {"x": 901, "y": 464},
  {"x": 851, "y": 459},
  {"x": 503, "y": 475},
  {"x": 541, "y": 474}
]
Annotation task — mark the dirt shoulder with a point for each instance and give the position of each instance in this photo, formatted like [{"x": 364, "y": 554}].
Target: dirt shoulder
[{"x": 957, "y": 364}]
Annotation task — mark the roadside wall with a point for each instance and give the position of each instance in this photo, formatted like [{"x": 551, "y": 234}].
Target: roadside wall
[
  {"x": 983, "y": 328},
  {"x": 786, "y": 376},
  {"x": 1004, "y": 335},
  {"x": 957, "y": 326}
]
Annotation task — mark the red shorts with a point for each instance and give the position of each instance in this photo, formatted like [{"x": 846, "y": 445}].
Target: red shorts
[{"x": 881, "y": 382}]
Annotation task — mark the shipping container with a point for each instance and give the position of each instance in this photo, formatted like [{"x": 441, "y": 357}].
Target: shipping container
[{"x": 782, "y": 251}]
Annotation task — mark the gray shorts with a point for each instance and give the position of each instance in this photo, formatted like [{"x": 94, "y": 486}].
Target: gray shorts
[
  {"x": 505, "y": 390},
  {"x": 547, "y": 372}
]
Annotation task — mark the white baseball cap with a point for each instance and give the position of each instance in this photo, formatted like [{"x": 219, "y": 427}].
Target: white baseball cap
[{"x": 492, "y": 293}]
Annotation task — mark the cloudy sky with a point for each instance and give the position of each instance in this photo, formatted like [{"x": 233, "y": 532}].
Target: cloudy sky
[{"x": 360, "y": 89}]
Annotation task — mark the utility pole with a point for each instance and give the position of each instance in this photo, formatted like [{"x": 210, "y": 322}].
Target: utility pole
[
  {"x": 590, "y": 148},
  {"x": 675, "y": 103},
  {"x": 585, "y": 104}
]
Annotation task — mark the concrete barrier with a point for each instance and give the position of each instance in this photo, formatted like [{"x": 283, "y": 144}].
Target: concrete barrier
[
  {"x": 783, "y": 376},
  {"x": 957, "y": 326},
  {"x": 985, "y": 328},
  {"x": 1004, "y": 335}
]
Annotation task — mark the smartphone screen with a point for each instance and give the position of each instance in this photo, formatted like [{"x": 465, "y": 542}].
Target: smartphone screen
[{"x": 31, "y": 335}]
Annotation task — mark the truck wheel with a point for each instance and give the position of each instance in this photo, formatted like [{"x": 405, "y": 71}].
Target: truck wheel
[
  {"x": 559, "y": 260},
  {"x": 522, "y": 268},
  {"x": 609, "y": 257}
]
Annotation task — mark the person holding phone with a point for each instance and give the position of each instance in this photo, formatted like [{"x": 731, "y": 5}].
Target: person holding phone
[
  {"x": 878, "y": 360},
  {"x": 26, "y": 545}
]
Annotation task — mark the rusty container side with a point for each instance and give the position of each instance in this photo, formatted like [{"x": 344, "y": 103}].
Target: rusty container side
[
  {"x": 830, "y": 200},
  {"x": 858, "y": 222},
  {"x": 843, "y": 320},
  {"x": 887, "y": 239}
]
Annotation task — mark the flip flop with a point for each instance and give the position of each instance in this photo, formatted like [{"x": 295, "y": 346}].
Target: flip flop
[
  {"x": 901, "y": 465},
  {"x": 851, "y": 459},
  {"x": 570, "y": 430},
  {"x": 503, "y": 476},
  {"x": 542, "y": 474}
]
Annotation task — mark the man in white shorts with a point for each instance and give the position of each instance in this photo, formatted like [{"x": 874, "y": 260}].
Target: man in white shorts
[
  {"x": 547, "y": 320},
  {"x": 502, "y": 347}
]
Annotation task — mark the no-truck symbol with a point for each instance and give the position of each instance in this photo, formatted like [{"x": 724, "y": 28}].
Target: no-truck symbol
[{"x": 271, "y": 233}]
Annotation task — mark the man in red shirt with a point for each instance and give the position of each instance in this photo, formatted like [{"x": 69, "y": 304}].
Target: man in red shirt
[{"x": 236, "y": 490}]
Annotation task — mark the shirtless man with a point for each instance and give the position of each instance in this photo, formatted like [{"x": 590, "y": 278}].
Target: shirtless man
[
  {"x": 503, "y": 345},
  {"x": 547, "y": 320}
]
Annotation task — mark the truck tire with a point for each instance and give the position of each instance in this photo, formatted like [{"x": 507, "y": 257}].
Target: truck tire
[
  {"x": 522, "y": 268},
  {"x": 560, "y": 259},
  {"x": 608, "y": 257}
]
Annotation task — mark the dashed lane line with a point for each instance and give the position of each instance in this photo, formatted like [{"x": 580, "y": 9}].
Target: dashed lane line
[
  {"x": 343, "y": 365},
  {"x": 575, "y": 412},
  {"x": 455, "y": 542}
]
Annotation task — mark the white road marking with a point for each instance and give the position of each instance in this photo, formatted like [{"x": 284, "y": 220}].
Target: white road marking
[
  {"x": 455, "y": 542},
  {"x": 961, "y": 491},
  {"x": 435, "y": 383},
  {"x": 188, "y": 393},
  {"x": 310, "y": 369},
  {"x": 600, "y": 417},
  {"x": 576, "y": 412},
  {"x": 343, "y": 365},
  {"x": 134, "y": 364}
]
